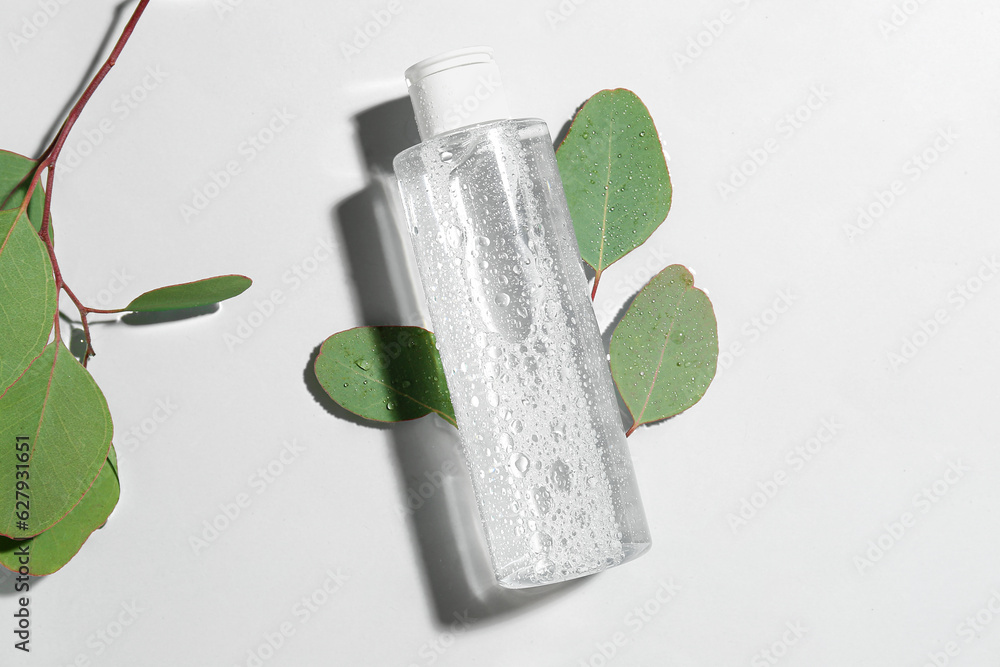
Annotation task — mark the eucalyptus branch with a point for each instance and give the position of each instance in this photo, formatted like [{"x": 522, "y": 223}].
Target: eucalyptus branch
[
  {"x": 54, "y": 404},
  {"x": 47, "y": 162}
]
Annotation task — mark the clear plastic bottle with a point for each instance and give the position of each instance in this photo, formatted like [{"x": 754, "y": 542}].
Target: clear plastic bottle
[{"x": 508, "y": 299}]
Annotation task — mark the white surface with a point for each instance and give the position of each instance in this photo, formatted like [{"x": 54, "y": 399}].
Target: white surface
[{"x": 878, "y": 102}]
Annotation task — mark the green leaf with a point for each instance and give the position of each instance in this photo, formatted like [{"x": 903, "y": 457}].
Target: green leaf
[
  {"x": 58, "y": 409},
  {"x": 27, "y": 296},
  {"x": 664, "y": 350},
  {"x": 190, "y": 295},
  {"x": 387, "y": 374},
  {"x": 615, "y": 177},
  {"x": 14, "y": 169},
  {"x": 56, "y": 546}
]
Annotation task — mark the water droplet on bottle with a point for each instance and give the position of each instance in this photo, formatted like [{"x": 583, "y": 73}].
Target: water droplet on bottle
[
  {"x": 559, "y": 475},
  {"x": 545, "y": 568},
  {"x": 518, "y": 464},
  {"x": 516, "y": 426},
  {"x": 541, "y": 500},
  {"x": 502, "y": 299},
  {"x": 540, "y": 542},
  {"x": 483, "y": 241},
  {"x": 492, "y": 398},
  {"x": 475, "y": 401},
  {"x": 446, "y": 156}
]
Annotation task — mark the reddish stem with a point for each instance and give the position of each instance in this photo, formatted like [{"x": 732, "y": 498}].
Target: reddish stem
[
  {"x": 51, "y": 154},
  {"x": 47, "y": 161},
  {"x": 597, "y": 279},
  {"x": 629, "y": 432},
  {"x": 90, "y": 351}
]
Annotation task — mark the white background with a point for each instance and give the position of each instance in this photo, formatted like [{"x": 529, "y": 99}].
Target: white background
[{"x": 807, "y": 557}]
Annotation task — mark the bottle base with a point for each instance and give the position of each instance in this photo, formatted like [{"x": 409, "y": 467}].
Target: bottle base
[{"x": 529, "y": 577}]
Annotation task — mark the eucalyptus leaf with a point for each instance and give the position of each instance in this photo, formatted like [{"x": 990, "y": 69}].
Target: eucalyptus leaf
[
  {"x": 664, "y": 350},
  {"x": 55, "y": 547},
  {"x": 386, "y": 374},
  {"x": 615, "y": 177},
  {"x": 190, "y": 295},
  {"x": 27, "y": 296},
  {"x": 58, "y": 409},
  {"x": 14, "y": 170}
]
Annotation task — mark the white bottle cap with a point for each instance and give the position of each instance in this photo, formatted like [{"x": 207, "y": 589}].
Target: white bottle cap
[{"x": 456, "y": 89}]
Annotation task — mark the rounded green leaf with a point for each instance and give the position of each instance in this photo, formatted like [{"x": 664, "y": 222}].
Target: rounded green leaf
[
  {"x": 27, "y": 296},
  {"x": 14, "y": 170},
  {"x": 664, "y": 350},
  {"x": 59, "y": 411},
  {"x": 190, "y": 295},
  {"x": 386, "y": 374},
  {"x": 55, "y": 547},
  {"x": 615, "y": 176}
]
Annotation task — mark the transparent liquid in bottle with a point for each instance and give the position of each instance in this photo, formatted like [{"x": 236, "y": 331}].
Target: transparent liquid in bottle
[{"x": 525, "y": 363}]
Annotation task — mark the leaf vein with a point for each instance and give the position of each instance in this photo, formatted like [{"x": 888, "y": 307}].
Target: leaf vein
[{"x": 607, "y": 194}]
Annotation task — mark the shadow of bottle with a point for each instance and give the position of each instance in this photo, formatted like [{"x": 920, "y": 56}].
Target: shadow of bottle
[{"x": 438, "y": 501}]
